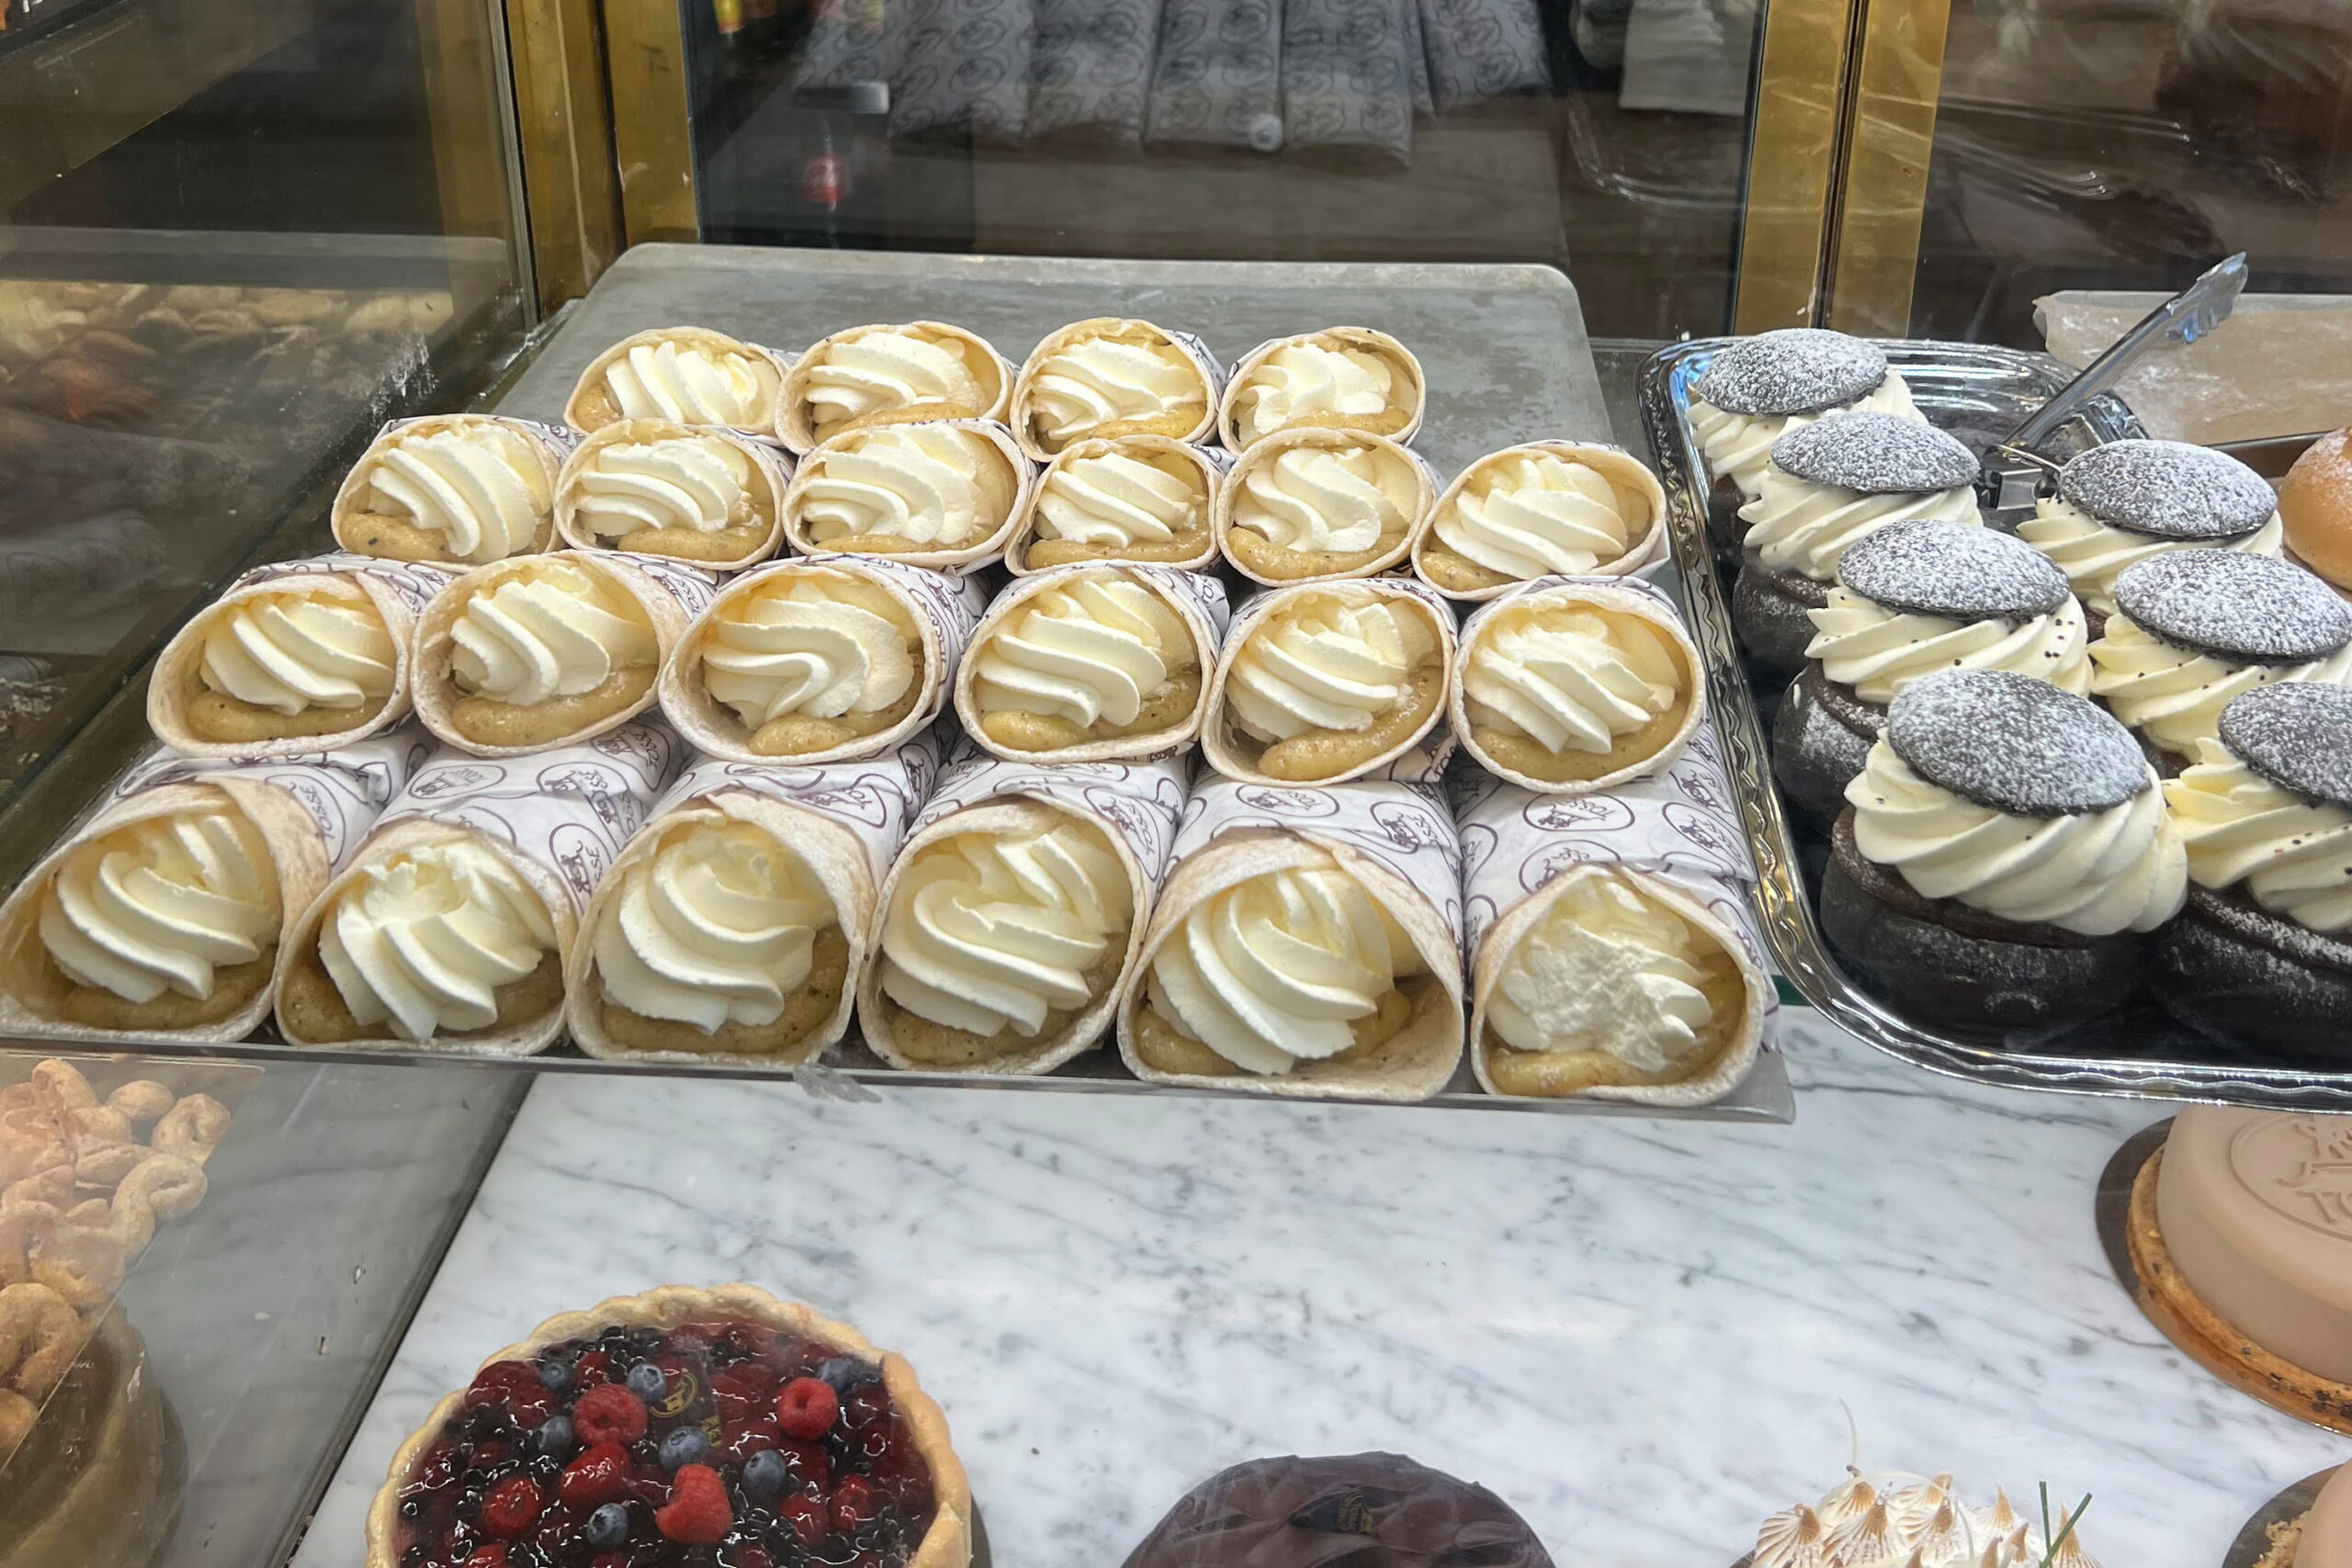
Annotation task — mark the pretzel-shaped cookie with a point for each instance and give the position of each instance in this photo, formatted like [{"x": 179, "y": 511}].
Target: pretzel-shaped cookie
[
  {"x": 163, "y": 1187},
  {"x": 83, "y": 1264},
  {"x": 16, "y": 1414},
  {"x": 39, "y": 1336},
  {"x": 101, "y": 1162},
  {"x": 21, "y": 1227},
  {"x": 64, "y": 1081},
  {"x": 191, "y": 1128},
  {"x": 142, "y": 1100}
]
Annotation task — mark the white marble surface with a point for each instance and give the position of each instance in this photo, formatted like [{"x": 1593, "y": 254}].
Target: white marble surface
[{"x": 1643, "y": 1336}]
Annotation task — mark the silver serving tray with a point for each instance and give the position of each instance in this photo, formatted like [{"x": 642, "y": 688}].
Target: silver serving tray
[{"x": 1978, "y": 393}]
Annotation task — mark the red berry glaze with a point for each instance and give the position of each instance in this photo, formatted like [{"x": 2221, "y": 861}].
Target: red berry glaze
[
  {"x": 608, "y": 1414},
  {"x": 512, "y": 1506},
  {"x": 809, "y": 1519},
  {"x": 852, "y": 1502},
  {"x": 491, "y": 1556},
  {"x": 598, "y": 1476}
]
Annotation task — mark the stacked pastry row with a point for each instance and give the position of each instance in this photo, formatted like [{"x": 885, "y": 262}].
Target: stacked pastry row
[{"x": 2112, "y": 746}]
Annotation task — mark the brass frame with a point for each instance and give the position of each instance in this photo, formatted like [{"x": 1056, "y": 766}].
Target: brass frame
[
  {"x": 1794, "y": 162},
  {"x": 564, "y": 126},
  {"x": 645, "y": 58},
  {"x": 1882, "y": 197}
]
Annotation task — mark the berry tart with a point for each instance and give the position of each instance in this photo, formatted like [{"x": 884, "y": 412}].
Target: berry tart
[{"x": 680, "y": 1428}]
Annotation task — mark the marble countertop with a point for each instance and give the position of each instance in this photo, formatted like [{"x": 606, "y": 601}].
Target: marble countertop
[{"x": 1645, "y": 1336}]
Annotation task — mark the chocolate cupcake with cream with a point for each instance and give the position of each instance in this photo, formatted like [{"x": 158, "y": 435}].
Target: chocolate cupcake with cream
[
  {"x": 1760, "y": 388},
  {"x": 1828, "y": 486},
  {"x": 2262, "y": 957},
  {"x": 2001, "y": 854},
  {"x": 1911, "y": 600},
  {"x": 2193, "y": 630},
  {"x": 2128, "y": 501}
]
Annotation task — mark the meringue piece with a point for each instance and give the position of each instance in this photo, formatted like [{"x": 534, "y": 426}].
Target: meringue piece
[
  {"x": 297, "y": 651},
  {"x": 1794, "y": 1538},
  {"x": 424, "y": 942},
  {"x": 1109, "y": 377},
  {"x": 904, "y": 490},
  {"x": 458, "y": 490},
  {"x": 161, "y": 906},
  {"x": 1097, "y": 655},
  {"x": 812, "y": 658}
]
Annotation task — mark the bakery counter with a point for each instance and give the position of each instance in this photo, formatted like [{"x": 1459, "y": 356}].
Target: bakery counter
[{"x": 1646, "y": 1336}]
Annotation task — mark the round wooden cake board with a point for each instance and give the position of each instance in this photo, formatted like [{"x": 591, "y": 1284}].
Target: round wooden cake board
[
  {"x": 2257, "y": 1545},
  {"x": 2136, "y": 1251}
]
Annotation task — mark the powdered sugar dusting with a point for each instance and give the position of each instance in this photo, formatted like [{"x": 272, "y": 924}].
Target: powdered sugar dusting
[
  {"x": 1955, "y": 570},
  {"x": 1875, "y": 454},
  {"x": 2240, "y": 606},
  {"x": 2168, "y": 489},
  {"x": 2297, "y": 734},
  {"x": 2016, "y": 744},
  {"x": 1793, "y": 370}
]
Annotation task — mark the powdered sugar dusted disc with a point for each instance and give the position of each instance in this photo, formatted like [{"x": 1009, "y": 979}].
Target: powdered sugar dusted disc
[
  {"x": 1875, "y": 454},
  {"x": 2245, "y": 608},
  {"x": 2297, "y": 734},
  {"x": 1953, "y": 570},
  {"x": 2016, "y": 744},
  {"x": 1794, "y": 370},
  {"x": 2168, "y": 489}
]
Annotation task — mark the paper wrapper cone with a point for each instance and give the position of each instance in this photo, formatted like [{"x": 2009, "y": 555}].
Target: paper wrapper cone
[
  {"x": 560, "y": 819},
  {"x": 1393, "y": 837},
  {"x": 1023, "y": 417},
  {"x": 1677, "y": 834},
  {"x": 1417, "y": 756},
  {"x": 399, "y": 591},
  {"x": 845, "y": 820},
  {"x": 1134, "y": 804},
  {"x": 310, "y": 812},
  {"x": 798, "y": 432},
  {"x": 981, "y": 550},
  {"x": 1646, "y": 545},
  {"x": 1629, "y": 596},
  {"x": 591, "y": 406},
  {"x": 1209, "y": 463},
  {"x": 1415, "y": 396},
  {"x": 944, "y": 610},
  {"x": 771, "y": 473},
  {"x": 671, "y": 594},
  {"x": 1228, "y": 497},
  {"x": 350, "y": 522},
  {"x": 1198, "y": 600}
]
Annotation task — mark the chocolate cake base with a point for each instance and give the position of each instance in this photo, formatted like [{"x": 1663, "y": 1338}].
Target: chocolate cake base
[
  {"x": 1363, "y": 1510},
  {"x": 1821, "y": 738},
  {"x": 1768, "y": 610},
  {"x": 2247, "y": 979}
]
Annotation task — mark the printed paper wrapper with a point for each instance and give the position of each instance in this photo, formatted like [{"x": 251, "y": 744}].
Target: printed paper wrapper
[
  {"x": 1677, "y": 832},
  {"x": 1620, "y": 595},
  {"x": 672, "y": 593},
  {"x": 1394, "y": 838},
  {"x": 844, "y": 820},
  {"x": 1135, "y": 804},
  {"x": 945, "y": 610},
  {"x": 591, "y": 408},
  {"x": 1024, "y": 386},
  {"x": 1647, "y": 550},
  {"x": 398, "y": 591},
  {"x": 1209, "y": 463},
  {"x": 771, "y": 473},
  {"x": 559, "y": 818},
  {"x": 969, "y": 556},
  {"x": 1229, "y": 406},
  {"x": 351, "y": 531},
  {"x": 310, "y": 811},
  {"x": 1198, "y": 599},
  {"x": 1229, "y": 496},
  {"x": 1418, "y": 756},
  {"x": 798, "y": 432}
]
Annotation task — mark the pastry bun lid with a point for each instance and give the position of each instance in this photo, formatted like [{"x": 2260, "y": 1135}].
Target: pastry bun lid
[
  {"x": 771, "y": 472},
  {"x": 1024, "y": 386},
  {"x": 798, "y": 432},
  {"x": 589, "y": 407},
  {"x": 1645, "y": 546}
]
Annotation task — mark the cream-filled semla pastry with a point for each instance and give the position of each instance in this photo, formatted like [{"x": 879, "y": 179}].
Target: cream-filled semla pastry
[
  {"x": 933, "y": 495},
  {"x": 1572, "y": 688},
  {"x": 684, "y": 375},
  {"x": 1538, "y": 509},
  {"x": 1758, "y": 389},
  {"x": 534, "y": 652},
  {"x": 654, "y": 486},
  {"x": 908, "y": 373},
  {"x": 1093, "y": 661},
  {"x": 457, "y": 489},
  {"x": 1339, "y": 379},
  {"x": 1325, "y": 682},
  {"x": 291, "y": 663},
  {"x": 1109, "y": 377},
  {"x": 1312, "y": 505},
  {"x": 1130, "y": 498}
]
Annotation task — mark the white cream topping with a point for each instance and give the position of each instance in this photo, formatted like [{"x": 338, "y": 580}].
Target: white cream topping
[
  {"x": 1304, "y": 383},
  {"x": 290, "y": 651},
  {"x": 933, "y": 484},
  {"x": 717, "y": 926},
  {"x": 1797, "y": 526},
  {"x": 801, "y": 643},
  {"x": 689, "y": 383},
  {"x": 878, "y": 372},
  {"x": 1317, "y": 498},
  {"x": 422, "y": 940},
  {"x": 551, "y": 630},
  {"x": 1878, "y": 651},
  {"x": 1740, "y": 444},
  {"x": 1532, "y": 513},
  {"x": 483, "y": 488},
  {"x": 1093, "y": 647},
  {"x": 159, "y": 905},
  {"x": 1327, "y": 662},
  {"x": 1572, "y": 679},
  {"x": 684, "y": 482},
  {"x": 2092, "y": 555},
  {"x": 1113, "y": 499},
  {"x": 1098, "y": 381},
  {"x": 2095, "y": 873},
  {"x": 1899, "y": 1521},
  {"x": 2175, "y": 695},
  {"x": 1608, "y": 968},
  {"x": 992, "y": 933},
  {"x": 2293, "y": 853},
  {"x": 1276, "y": 969}
]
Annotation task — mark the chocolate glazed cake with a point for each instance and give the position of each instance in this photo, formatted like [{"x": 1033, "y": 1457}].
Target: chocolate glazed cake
[{"x": 1369, "y": 1510}]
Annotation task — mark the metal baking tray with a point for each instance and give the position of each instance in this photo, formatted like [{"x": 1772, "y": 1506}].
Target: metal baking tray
[{"x": 1978, "y": 392}]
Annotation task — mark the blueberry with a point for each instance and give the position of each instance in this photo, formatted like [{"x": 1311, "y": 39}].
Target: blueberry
[
  {"x": 645, "y": 1382},
  {"x": 608, "y": 1527},
  {"x": 764, "y": 1474},
  {"x": 846, "y": 1375},
  {"x": 555, "y": 1437},
  {"x": 555, "y": 1376},
  {"x": 686, "y": 1445}
]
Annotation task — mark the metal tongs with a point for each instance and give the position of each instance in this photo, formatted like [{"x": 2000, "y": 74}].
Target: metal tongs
[{"x": 2016, "y": 472}]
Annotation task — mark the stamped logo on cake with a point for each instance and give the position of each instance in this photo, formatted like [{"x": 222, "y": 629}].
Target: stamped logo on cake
[{"x": 2300, "y": 1166}]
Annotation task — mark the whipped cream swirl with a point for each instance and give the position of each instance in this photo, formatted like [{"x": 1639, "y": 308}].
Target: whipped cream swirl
[
  {"x": 1531, "y": 513},
  {"x": 804, "y": 644},
  {"x": 1089, "y": 649},
  {"x": 1097, "y": 382},
  {"x": 1310, "y": 382},
  {"x": 422, "y": 940},
  {"x": 292, "y": 651},
  {"x": 2294, "y": 853},
  {"x": 1878, "y": 651},
  {"x": 1573, "y": 679},
  {"x": 159, "y": 905},
  {"x": 1342, "y": 500},
  {"x": 483, "y": 488},
  {"x": 1797, "y": 526},
  {"x": 2093, "y": 554},
  {"x": 551, "y": 630},
  {"x": 1739, "y": 445},
  {"x": 886, "y": 370},
  {"x": 693, "y": 482},
  {"x": 2175, "y": 695},
  {"x": 1113, "y": 499},
  {"x": 930, "y": 484},
  {"x": 1327, "y": 662},
  {"x": 1609, "y": 968},
  {"x": 691, "y": 384}
]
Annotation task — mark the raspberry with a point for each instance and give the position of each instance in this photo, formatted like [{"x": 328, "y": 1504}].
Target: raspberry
[
  {"x": 808, "y": 1408},
  {"x": 806, "y": 1519},
  {"x": 595, "y": 1477},
  {"x": 487, "y": 1456},
  {"x": 512, "y": 1506},
  {"x": 491, "y": 1556},
  {"x": 697, "y": 1511},
  {"x": 608, "y": 1414},
  {"x": 499, "y": 1383},
  {"x": 852, "y": 1502},
  {"x": 742, "y": 1390}
]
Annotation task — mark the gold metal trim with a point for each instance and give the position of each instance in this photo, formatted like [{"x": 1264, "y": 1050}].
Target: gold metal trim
[
  {"x": 1792, "y": 166},
  {"x": 652, "y": 142},
  {"x": 564, "y": 122},
  {"x": 1883, "y": 197}
]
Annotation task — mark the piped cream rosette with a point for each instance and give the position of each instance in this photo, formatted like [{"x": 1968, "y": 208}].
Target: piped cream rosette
[
  {"x": 159, "y": 919},
  {"x": 1316, "y": 506},
  {"x": 735, "y": 926},
  {"x": 449, "y": 929},
  {"x": 1147, "y": 499},
  {"x": 1331, "y": 682},
  {"x": 540, "y": 651},
  {"x": 1092, "y": 664},
  {"x": 1339, "y": 379},
  {"x": 945, "y": 494},
  {"x": 686, "y": 375},
  {"x": 1567, "y": 686},
  {"x": 1112, "y": 376},
  {"x": 1307, "y": 945},
  {"x": 1613, "y": 952},
  {"x": 296, "y": 658},
  {"x": 710, "y": 497},
  {"x": 1012, "y": 915},
  {"x": 1541, "y": 509},
  {"x": 906, "y": 373},
  {"x": 457, "y": 489},
  {"x": 824, "y": 659}
]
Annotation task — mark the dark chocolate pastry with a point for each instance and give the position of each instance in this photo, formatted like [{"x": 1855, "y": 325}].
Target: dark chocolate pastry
[
  {"x": 1359, "y": 1511},
  {"x": 1754, "y": 391},
  {"x": 2132, "y": 500},
  {"x": 1772, "y": 613}
]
